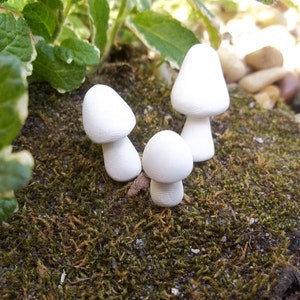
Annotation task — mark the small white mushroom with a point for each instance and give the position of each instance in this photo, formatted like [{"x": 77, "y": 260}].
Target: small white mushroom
[
  {"x": 200, "y": 92},
  {"x": 167, "y": 160},
  {"x": 107, "y": 120}
]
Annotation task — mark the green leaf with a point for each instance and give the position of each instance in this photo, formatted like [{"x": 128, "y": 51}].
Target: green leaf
[
  {"x": 77, "y": 51},
  {"x": 78, "y": 27},
  {"x": 16, "y": 40},
  {"x": 13, "y": 98},
  {"x": 99, "y": 13},
  {"x": 15, "y": 171},
  {"x": 210, "y": 22},
  {"x": 50, "y": 68},
  {"x": 268, "y": 2},
  {"x": 16, "y": 5},
  {"x": 66, "y": 33},
  {"x": 53, "y": 4},
  {"x": 7, "y": 207},
  {"x": 142, "y": 4},
  {"x": 163, "y": 34},
  {"x": 41, "y": 19}
]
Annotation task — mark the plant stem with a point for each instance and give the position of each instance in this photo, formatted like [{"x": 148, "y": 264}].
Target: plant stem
[
  {"x": 122, "y": 13},
  {"x": 62, "y": 15}
]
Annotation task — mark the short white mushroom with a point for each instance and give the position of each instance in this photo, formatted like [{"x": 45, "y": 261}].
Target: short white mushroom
[
  {"x": 107, "y": 120},
  {"x": 200, "y": 92},
  {"x": 167, "y": 160}
]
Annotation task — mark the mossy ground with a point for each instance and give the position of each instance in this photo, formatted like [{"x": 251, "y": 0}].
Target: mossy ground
[{"x": 233, "y": 237}]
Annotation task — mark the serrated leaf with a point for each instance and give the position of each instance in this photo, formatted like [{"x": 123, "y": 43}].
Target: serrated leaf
[
  {"x": 13, "y": 98},
  {"x": 41, "y": 19},
  {"x": 50, "y": 68},
  {"x": 78, "y": 51},
  {"x": 163, "y": 34},
  {"x": 210, "y": 22},
  {"x": 15, "y": 171},
  {"x": 16, "y": 39},
  {"x": 7, "y": 207},
  {"x": 99, "y": 13}
]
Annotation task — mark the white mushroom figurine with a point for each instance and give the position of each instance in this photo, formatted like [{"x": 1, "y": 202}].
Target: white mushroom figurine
[
  {"x": 107, "y": 120},
  {"x": 167, "y": 160},
  {"x": 200, "y": 92}
]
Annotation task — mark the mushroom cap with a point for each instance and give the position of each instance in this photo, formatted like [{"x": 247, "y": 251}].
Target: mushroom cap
[
  {"x": 106, "y": 116},
  {"x": 167, "y": 158},
  {"x": 200, "y": 88}
]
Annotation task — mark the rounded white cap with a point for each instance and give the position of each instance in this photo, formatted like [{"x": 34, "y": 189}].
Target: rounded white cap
[
  {"x": 200, "y": 88},
  {"x": 167, "y": 158},
  {"x": 106, "y": 116}
]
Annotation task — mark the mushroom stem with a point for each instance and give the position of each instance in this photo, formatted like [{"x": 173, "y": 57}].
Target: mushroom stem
[
  {"x": 197, "y": 134},
  {"x": 121, "y": 160},
  {"x": 166, "y": 194}
]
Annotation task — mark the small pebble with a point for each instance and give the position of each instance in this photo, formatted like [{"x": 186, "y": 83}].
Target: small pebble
[
  {"x": 265, "y": 100},
  {"x": 174, "y": 291},
  {"x": 258, "y": 140},
  {"x": 296, "y": 102},
  {"x": 195, "y": 251},
  {"x": 288, "y": 86},
  {"x": 256, "y": 81},
  {"x": 264, "y": 58},
  {"x": 233, "y": 67},
  {"x": 273, "y": 91},
  {"x": 297, "y": 118},
  {"x": 166, "y": 73},
  {"x": 277, "y": 36},
  {"x": 267, "y": 16}
]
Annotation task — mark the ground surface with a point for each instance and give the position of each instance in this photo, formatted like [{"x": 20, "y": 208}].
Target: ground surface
[{"x": 236, "y": 235}]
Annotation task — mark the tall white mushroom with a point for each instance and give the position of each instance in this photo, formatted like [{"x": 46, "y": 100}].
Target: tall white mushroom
[
  {"x": 167, "y": 160},
  {"x": 107, "y": 120},
  {"x": 200, "y": 92}
]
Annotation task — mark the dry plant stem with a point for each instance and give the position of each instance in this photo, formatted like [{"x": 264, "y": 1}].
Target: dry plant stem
[
  {"x": 121, "y": 160},
  {"x": 197, "y": 134}
]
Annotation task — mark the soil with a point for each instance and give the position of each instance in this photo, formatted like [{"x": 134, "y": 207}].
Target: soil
[{"x": 80, "y": 235}]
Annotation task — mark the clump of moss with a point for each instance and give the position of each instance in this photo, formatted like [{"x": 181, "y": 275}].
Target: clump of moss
[{"x": 225, "y": 240}]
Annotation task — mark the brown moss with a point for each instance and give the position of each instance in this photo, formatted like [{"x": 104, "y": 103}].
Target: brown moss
[{"x": 224, "y": 240}]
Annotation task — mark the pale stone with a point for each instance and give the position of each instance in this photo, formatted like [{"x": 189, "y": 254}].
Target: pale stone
[
  {"x": 291, "y": 16},
  {"x": 256, "y": 81},
  {"x": 240, "y": 25},
  {"x": 272, "y": 90},
  {"x": 166, "y": 73},
  {"x": 233, "y": 67},
  {"x": 289, "y": 86},
  {"x": 297, "y": 118},
  {"x": 266, "y": 16},
  {"x": 265, "y": 100},
  {"x": 296, "y": 102},
  {"x": 264, "y": 58},
  {"x": 276, "y": 36},
  {"x": 292, "y": 58}
]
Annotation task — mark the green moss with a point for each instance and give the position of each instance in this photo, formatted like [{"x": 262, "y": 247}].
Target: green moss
[{"x": 234, "y": 226}]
